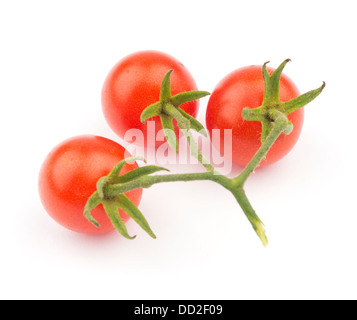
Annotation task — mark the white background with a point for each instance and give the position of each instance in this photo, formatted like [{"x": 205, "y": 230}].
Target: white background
[{"x": 53, "y": 60}]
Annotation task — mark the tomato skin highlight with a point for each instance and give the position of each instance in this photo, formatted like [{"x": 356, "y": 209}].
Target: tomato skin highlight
[
  {"x": 242, "y": 88},
  {"x": 135, "y": 83},
  {"x": 69, "y": 175}
]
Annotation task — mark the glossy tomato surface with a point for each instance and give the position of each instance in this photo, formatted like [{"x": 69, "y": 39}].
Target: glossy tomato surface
[
  {"x": 134, "y": 83},
  {"x": 69, "y": 175},
  {"x": 245, "y": 88}
]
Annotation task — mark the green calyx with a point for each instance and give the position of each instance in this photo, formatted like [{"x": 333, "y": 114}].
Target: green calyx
[
  {"x": 272, "y": 108},
  {"x": 168, "y": 109},
  {"x": 113, "y": 202}
]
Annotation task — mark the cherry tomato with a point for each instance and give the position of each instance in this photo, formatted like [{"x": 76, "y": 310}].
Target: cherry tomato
[
  {"x": 245, "y": 88},
  {"x": 134, "y": 83},
  {"x": 69, "y": 175}
]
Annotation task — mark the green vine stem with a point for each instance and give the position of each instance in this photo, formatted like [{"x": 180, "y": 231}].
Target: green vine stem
[
  {"x": 235, "y": 185},
  {"x": 273, "y": 115},
  {"x": 168, "y": 108},
  {"x": 281, "y": 123}
]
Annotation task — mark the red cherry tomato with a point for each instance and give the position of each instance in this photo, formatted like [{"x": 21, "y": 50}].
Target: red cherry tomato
[
  {"x": 69, "y": 175},
  {"x": 134, "y": 83},
  {"x": 245, "y": 88}
]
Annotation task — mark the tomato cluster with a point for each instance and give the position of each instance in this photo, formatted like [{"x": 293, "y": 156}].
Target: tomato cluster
[{"x": 70, "y": 173}]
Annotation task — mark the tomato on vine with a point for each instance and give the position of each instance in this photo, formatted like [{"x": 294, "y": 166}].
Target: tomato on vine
[
  {"x": 135, "y": 83},
  {"x": 69, "y": 176},
  {"x": 90, "y": 184},
  {"x": 245, "y": 88}
]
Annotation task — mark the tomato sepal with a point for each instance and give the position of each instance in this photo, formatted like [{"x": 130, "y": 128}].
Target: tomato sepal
[
  {"x": 169, "y": 131},
  {"x": 272, "y": 107},
  {"x": 111, "y": 208},
  {"x": 194, "y": 123},
  {"x": 124, "y": 203},
  {"x": 272, "y": 83},
  {"x": 139, "y": 172},
  {"x": 168, "y": 109},
  {"x": 112, "y": 202},
  {"x": 188, "y": 96},
  {"x": 93, "y": 201},
  {"x": 302, "y": 100},
  {"x": 116, "y": 170},
  {"x": 151, "y": 111}
]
